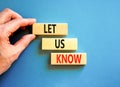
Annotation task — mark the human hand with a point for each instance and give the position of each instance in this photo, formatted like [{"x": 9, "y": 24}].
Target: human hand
[{"x": 10, "y": 21}]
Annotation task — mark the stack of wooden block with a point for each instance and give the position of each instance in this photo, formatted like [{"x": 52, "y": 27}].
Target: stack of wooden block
[{"x": 65, "y": 44}]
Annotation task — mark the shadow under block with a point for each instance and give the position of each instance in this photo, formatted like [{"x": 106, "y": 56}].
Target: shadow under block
[
  {"x": 59, "y": 43},
  {"x": 50, "y": 29},
  {"x": 68, "y": 59}
]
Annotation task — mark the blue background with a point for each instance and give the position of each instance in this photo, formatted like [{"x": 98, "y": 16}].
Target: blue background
[{"x": 96, "y": 24}]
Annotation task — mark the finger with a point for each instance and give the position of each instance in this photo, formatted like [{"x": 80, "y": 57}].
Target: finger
[
  {"x": 20, "y": 45},
  {"x": 7, "y": 14},
  {"x": 24, "y": 42},
  {"x": 16, "y": 24}
]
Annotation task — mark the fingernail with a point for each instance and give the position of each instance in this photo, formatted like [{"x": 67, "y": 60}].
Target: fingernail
[
  {"x": 34, "y": 19},
  {"x": 33, "y": 36}
]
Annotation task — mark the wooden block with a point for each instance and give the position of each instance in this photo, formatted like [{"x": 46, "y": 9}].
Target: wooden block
[
  {"x": 59, "y": 43},
  {"x": 50, "y": 29},
  {"x": 68, "y": 59}
]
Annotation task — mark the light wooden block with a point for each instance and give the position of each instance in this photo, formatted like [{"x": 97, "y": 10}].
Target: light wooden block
[
  {"x": 59, "y": 43},
  {"x": 68, "y": 59},
  {"x": 50, "y": 29}
]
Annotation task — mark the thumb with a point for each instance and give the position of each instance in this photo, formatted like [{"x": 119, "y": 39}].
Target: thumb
[{"x": 24, "y": 42}]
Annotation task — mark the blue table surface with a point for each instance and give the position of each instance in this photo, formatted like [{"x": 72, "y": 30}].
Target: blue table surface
[{"x": 96, "y": 24}]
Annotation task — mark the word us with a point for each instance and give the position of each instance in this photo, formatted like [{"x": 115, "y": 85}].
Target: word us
[{"x": 65, "y": 44}]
